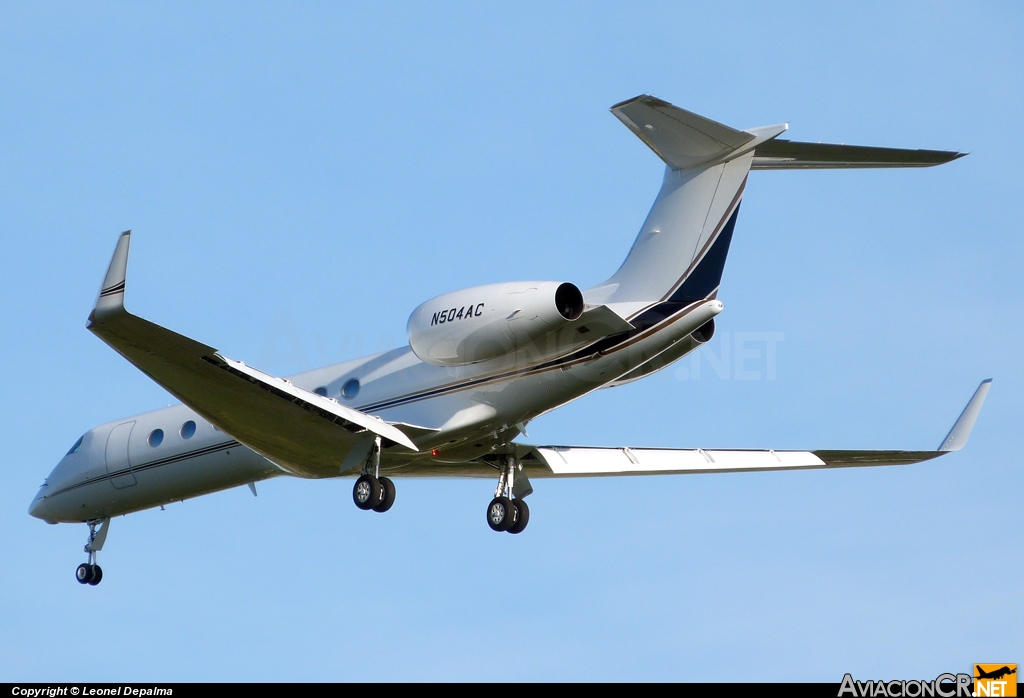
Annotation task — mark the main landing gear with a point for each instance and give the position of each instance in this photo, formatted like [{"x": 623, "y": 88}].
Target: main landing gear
[
  {"x": 372, "y": 491},
  {"x": 505, "y": 513},
  {"x": 89, "y": 572}
]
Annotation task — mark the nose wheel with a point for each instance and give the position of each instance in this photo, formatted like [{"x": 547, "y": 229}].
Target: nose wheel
[
  {"x": 89, "y": 572},
  {"x": 372, "y": 491},
  {"x": 505, "y": 513}
]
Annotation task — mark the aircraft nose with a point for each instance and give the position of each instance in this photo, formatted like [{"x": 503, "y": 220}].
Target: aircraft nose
[{"x": 38, "y": 508}]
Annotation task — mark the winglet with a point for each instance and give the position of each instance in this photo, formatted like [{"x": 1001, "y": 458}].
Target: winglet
[
  {"x": 957, "y": 437},
  {"x": 111, "y": 298}
]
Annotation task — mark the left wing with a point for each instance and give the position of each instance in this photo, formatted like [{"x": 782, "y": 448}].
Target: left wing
[
  {"x": 577, "y": 461},
  {"x": 304, "y": 433}
]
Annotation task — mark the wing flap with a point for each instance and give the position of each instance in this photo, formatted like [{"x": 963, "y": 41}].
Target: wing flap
[
  {"x": 584, "y": 461},
  {"x": 326, "y": 407},
  {"x": 579, "y": 461}
]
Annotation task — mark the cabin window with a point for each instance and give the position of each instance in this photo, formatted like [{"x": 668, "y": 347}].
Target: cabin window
[
  {"x": 351, "y": 388},
  {"x": 156, "y": 437},
  {"x": 321, "y": 391},
  {"x": 188, "y": 429}
]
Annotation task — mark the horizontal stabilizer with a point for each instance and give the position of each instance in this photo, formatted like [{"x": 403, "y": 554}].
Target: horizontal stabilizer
[
  {"x": 781, "y": 154},
  {"x": 304, "y": 433}
]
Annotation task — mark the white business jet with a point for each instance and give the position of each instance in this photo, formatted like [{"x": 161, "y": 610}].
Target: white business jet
[{"x": 480, "y": 364}]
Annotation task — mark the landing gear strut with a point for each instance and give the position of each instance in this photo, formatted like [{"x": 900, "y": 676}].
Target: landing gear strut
[
  {"x": 372, "y": 491},
  {"x": 505, "y": 513},
  {"x": 89, "y": 572}
]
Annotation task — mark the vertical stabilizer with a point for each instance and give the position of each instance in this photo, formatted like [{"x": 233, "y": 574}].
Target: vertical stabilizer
[
  {"x": 687, "y": 233},
  {"x": 680, "y": 252}
]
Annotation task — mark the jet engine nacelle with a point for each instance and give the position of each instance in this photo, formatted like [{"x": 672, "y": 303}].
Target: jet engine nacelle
[
  {"x": 704, "y": 333},
  {"x": 476, "y": 324}
]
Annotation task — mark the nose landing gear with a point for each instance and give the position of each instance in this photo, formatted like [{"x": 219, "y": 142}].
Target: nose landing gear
[
  {"x": 89, "y": 572},
  {"x": 372, "y": 491},
  {"x": 505, "y": 513}
]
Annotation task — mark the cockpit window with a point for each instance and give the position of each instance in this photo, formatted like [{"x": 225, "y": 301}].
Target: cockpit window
[{"x": 78, "y": 445}]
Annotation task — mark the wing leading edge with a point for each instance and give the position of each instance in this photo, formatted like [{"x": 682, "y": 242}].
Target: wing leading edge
[
  {"x": 582, "y": 461},
  {"x": 304, "y": 433}
]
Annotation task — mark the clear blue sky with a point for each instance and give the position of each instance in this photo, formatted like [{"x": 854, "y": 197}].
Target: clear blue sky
[{"x": 300, "y": 176}]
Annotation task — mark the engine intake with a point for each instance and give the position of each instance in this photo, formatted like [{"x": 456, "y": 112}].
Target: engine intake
[{"x": 569, "y": 301}]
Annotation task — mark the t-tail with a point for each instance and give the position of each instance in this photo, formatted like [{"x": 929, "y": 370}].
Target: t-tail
[{"x": 679, "y": 254}]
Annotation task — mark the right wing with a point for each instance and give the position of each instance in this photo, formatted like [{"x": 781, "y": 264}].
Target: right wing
[
  {"x": 582, "y": 461},
  {"x": 304, "y": 433}
]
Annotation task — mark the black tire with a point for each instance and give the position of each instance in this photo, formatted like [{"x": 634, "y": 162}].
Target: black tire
[
  {"x": 387, "y": 495},
  {"x": 83, "y": 573},
  {"x": 366, "y": 492},
  {"x": 522, "y": 516},
  {"x": 97, "y": 575},
  {"x": 501, "y": 514}
]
